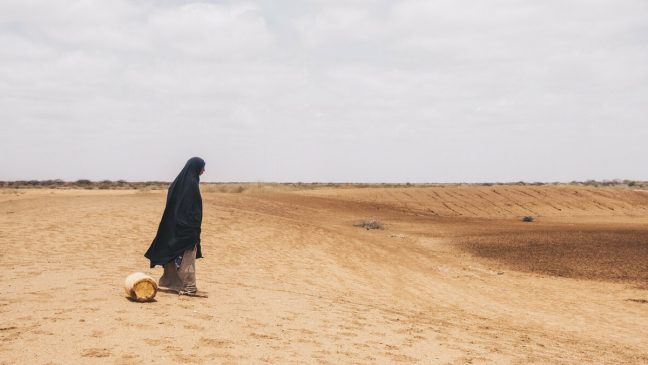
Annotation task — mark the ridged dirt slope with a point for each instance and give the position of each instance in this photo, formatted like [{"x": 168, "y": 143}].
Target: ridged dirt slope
[{"x": 501, "y": 201}]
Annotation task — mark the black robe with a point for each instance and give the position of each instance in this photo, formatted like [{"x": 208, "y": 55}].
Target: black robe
[{"x": 179, "y": 229}]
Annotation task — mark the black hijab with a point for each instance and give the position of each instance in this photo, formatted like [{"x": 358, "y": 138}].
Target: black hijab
[{"x": 179, "y": 228}]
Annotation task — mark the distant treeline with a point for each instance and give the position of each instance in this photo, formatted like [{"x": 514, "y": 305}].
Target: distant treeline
[
  {"x": 238, "y": 187},
  {"x": 83, "y": 184}
]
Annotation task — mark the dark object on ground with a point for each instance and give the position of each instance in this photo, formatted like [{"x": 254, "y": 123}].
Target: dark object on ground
[
  {"x": 370, "y": 224},
  {"x": 528, "y": 218}
]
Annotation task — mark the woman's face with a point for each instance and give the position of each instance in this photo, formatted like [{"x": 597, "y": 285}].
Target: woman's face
[{"x": 201, "y": 172}]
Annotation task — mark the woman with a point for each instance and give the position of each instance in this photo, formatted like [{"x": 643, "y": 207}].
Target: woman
[{"x": 177, "y": 243}]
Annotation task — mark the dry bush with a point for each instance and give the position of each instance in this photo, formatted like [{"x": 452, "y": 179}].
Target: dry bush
[{"x": 370, "y": 224}]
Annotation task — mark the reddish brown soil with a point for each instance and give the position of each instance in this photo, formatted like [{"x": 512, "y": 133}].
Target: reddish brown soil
[{"x": 619, "y": 255}]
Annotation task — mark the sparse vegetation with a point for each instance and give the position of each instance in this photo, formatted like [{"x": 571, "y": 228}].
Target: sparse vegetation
[
  {"x": 370, "y": 224},
  {"x": 261, "y": 187},
  {"x": 83, "y": 184},
  {"x": 528, "y": 218}
]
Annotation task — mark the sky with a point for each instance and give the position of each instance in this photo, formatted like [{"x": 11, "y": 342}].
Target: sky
[{"x": 325, "y": 91}]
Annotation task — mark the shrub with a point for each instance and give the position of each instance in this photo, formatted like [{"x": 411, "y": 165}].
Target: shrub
[
  {"x": 528, "y": 218},
  {"x": 370, "y": 224}
]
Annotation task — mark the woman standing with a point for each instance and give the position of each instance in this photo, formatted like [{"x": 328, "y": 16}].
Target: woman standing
[{"x": 177, "y": 243}]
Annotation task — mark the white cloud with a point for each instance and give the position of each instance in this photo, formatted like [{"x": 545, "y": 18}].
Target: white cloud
[
  {"x": 216, "y": 31},
  {"x": 325, "y": 90}
]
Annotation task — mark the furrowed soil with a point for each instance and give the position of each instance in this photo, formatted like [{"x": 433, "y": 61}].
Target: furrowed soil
[{"x": 455, "y": 277}]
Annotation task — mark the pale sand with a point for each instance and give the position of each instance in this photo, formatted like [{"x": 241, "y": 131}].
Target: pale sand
[{"x": 291, "y": 281}]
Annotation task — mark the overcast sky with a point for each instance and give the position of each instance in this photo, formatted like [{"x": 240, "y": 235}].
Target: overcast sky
[{"x": 365, "y": 91}]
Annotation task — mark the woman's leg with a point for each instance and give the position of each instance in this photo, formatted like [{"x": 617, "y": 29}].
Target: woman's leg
[
  {"x": 170, "y": 278},
  {"x": 187, "y": 273}
]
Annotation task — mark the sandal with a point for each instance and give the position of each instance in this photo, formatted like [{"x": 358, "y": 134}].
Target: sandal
[{"x": 197, "y": 293}]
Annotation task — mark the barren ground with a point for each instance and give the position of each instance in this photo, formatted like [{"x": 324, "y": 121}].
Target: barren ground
[{"x": 454, "y": 278}]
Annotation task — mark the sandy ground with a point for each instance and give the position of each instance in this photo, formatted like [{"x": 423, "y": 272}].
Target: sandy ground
[{"x": 291, "y": 281}]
